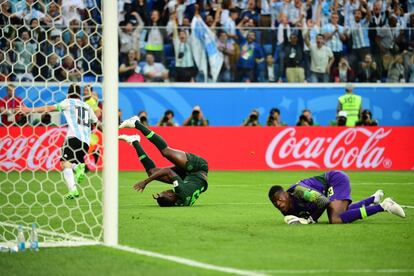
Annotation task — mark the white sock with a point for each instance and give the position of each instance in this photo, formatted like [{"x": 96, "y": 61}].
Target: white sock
[{"x": 69, "y": 178}]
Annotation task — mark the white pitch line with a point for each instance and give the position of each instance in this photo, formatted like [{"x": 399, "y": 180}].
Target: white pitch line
[
  {"x": 188, "y": 262},
  {"x": 330, "y": 271}
]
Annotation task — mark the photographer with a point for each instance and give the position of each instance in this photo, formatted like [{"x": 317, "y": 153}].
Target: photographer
[
  {"x": 274, "y": 118},
  {"x": 167, "y": 119},
  {"x": 253, "y": 119},
  {"x": 143, "y": 117},
  {"x": 341, "y": 118},
  {"x": 196, "y": 118},
  {"x": 366, "y": 119}
]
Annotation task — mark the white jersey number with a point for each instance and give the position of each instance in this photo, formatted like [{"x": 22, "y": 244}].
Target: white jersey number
[{"x": 83, "y": 116}]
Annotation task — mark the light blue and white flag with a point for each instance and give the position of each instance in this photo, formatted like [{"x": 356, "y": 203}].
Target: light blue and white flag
[{"x": 204, "y": 42}]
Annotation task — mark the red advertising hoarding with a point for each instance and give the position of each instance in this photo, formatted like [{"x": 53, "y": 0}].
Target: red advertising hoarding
[{"x": 234, "y": 148}]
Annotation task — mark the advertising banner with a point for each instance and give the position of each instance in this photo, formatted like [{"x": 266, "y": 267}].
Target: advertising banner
[{"x": 229, "y": 148}]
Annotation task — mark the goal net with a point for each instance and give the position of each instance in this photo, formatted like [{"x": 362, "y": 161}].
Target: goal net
[{"x": 45, "y": 48}]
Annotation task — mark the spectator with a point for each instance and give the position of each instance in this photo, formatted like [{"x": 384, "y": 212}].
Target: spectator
[
  {"x": 396, "y": 71},
  {"x": 368, "y": 70},
  {"x": 272, "y": 71},
  {"x": 366, "y": 119},
  {"x": 129, "y": 36},
  {"x": 274, "y": 118},
  {"x": 25, "y": 59},
  {"x": 54, "y": 15},
  {"x": 72, "y": 71},
  {"x": 196, "y": 118},
  {"x": 334, "y": 35},
  {"x": 378, "y": 20},
  {"x": 343, "y": 72},
  {"x": 129, "y": 69},
  {"x": 5, "y": 67},
  {"x": 359, "y": 32},
  {"x": 250, "y": 55},
  {"x": 143, "y": 117},
  {"x": 154, "y": 71},
  {"x": 30, "y": 12},
  {"x": 10, "y": 108},
  {"x": 72, "y": 10},
  {"x": 155, "y": 38},
  {"x": 351, "y": 104},
  {"x": 53, "y": 71},
  {"x": 226, "y": 47},
  {"x": 184, "y": 60},
  {"x": 409, "y": 32},
  {"x": 253, "y": 119},
  {"x": 411, "y": 69},
  {"x": 388, "y": 37},
  {"x": 251, "y": 12},
  {"x": 293, "y": 54},
  {"x": 167, "y": 119},
  {"x": 321, "y": 59}
]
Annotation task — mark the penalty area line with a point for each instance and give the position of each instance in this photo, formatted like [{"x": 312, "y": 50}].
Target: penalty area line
[{"x": 188, "y": 262}]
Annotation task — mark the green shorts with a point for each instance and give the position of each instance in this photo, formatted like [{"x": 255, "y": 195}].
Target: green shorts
[
  {"x": 195, "y": 163},
  {"x": 194, "y": 182}
]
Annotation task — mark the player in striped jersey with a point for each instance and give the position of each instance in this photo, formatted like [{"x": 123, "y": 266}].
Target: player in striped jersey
[{"x": 79, "y": 117}]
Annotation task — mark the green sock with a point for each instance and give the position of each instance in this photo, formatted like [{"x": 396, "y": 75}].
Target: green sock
[
  {"x": 154, "y": 138},
  {"x": 143, "y": 157}
]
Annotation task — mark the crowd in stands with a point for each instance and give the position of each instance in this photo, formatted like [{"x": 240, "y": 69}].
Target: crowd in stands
[
  {"x": 261, "y": 40},
  {"x": 271, "y": 41}
]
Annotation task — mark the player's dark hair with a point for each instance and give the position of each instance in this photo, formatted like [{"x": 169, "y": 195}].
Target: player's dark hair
[
  {"x": 165, "y": 201},
  {"x": 274, "y": 190},
  {"x": 74, "y": 91}
]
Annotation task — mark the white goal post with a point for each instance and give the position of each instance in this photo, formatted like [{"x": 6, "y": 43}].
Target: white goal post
[{"x": 110, "y": 87}]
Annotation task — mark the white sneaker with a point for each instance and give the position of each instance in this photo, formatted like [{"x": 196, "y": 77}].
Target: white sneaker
[
  {"x": 392, "y": 207},
  {"x": 129, "y": 123},
  {"x": 378, "y": 196},
  {"x": 130, "y": 138}
]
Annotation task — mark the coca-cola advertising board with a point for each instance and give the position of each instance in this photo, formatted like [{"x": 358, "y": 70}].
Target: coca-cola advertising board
[
  {"x": 234, "y": 148},
  {"x": 39, "y": 148}
]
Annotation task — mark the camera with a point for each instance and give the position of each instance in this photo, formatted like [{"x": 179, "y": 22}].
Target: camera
[
  {"x": 253, "y": 117},
  {"x": 143, "y": 119},
  {"x": 195, "y": 114},
  {"x": 180, "y": 55},
  {"x": 341, "y": 121}
]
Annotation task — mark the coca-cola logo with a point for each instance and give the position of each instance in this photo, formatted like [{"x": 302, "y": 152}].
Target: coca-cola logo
[
  {"x": 343, "y": 151},
  {"x": 36, "y": 152}
]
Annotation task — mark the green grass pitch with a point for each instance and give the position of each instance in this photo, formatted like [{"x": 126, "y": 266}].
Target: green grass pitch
[{"x": 234, "y": 225}]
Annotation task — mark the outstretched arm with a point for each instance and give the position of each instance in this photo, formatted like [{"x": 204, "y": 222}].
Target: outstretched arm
[
  {"x": 40, "y": 109},
  {"x": 164, "y": 173}
]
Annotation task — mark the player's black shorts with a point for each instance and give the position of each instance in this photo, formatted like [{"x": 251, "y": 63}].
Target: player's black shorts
[{"x": 74, "y": 150}]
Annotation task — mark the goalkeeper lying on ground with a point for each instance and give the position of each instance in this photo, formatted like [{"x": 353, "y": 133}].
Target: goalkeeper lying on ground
[{"x": 304, "y": 202}]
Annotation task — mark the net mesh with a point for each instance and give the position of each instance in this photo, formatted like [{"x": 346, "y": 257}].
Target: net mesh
[{"x": 46, "y": 47}]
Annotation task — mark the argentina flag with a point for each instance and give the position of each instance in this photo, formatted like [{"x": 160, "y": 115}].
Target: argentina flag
[{"x": 204, "y": 41}]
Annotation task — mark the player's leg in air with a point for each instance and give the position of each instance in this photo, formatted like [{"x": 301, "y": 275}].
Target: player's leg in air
[
  {"x": 341, "y": 211},
  {"x": 73, "y": 166},
  {"x": 177, "y": 157}
]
